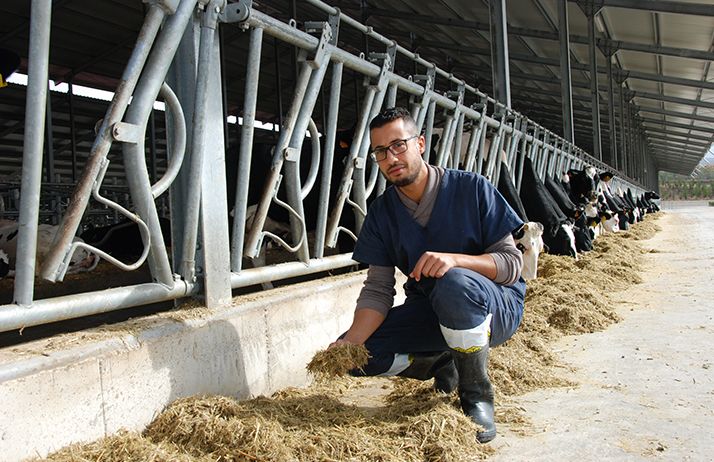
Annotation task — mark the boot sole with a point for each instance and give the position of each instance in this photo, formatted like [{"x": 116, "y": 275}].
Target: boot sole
[{"x": 485, "y": 437}]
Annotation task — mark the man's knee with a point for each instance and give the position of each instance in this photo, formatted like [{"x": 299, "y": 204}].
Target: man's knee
[{"x": 460, "y": 298}]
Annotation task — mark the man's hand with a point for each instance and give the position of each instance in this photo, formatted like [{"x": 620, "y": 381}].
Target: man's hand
[
  {"x": 339, "y": 341},
  {"x": 433, "y": 265},
  {"x": 365, "y": 322}
]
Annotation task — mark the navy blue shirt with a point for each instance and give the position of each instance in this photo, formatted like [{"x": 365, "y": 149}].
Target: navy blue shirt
[{"x": 469, "y": 216}]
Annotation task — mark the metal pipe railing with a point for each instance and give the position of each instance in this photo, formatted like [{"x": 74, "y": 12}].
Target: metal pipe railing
[
  {"x": 548, "y": 151},
  {"x": 114, "y": 114},
  {"x": 38, "y": 69},
  {"x": 250, "y": 98},
  {"x": 209, "y": 26}
]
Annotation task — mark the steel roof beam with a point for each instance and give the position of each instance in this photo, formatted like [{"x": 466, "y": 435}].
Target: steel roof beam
[
  {"x": 708, "y": 139},
  {"x": 56, "y": 4},
  {"x": 661, "y": 144},
  {"x": 623, "y": 75},
  {"x": 546, "y": 35},
  {"x": 662, "y": 6},
  {"x": 673, "y": 99},
  {"x": 677, "y": 125},
  {"x": 657, "y": 146},
  {"x": 699, "y": 142},
  {"x": 683, "y": 115},
  {"x": 674, "y": 153},
  {"x": 664, "y": 79},
  {"x": 665, "y": 137}
]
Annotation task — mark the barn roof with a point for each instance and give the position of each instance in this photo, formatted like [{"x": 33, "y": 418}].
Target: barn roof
[{"x": 661, "y": 51}]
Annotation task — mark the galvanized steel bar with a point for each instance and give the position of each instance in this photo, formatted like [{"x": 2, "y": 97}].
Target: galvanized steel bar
[
  {"x": 430, "y": 113},
  {"x": 115, "y": 112},
  {"x": 391, "y": 101},
  {"x": 264, "y": 274},
  {"x": 611, "y": 112},
  {"x": 566, "y": 91},
  {"x": 320, "y": 62},
  {"x": 329, "y": 158},
  {"x": 134, "y": 154},
  {"x": 49, "y": 143},
  {"x": 255, "y": 234},
  {"x": 250, "y": 97},
  {"x": 456, "y": 160},
  {"x": 55, "y": 309},
  {"x": 499, "y": 52},
  {"x": 361, "y": 133},
  {"x": 187, "y": 266},
  {"x": 35, "y": 105},
  {"x": 594, "y": 93},
  {"x": 176, "y": 140},
  {"x": 359, "y": 188},
  {"x": 72, "y": 129}
]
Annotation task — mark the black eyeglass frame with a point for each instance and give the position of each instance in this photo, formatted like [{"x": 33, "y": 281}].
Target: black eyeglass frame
[{"x": 379, "y": 154}]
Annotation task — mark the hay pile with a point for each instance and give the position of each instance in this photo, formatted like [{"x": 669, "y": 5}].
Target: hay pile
[
  {"x": 410, "y": 423},
  {"x": 338, "y": 361}
]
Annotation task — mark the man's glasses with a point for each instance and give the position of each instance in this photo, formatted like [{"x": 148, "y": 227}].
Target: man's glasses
[{"x": 396, "y": 148}]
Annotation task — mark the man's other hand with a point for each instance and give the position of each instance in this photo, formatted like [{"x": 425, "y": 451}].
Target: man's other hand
[{"x": 433, "y": 265}]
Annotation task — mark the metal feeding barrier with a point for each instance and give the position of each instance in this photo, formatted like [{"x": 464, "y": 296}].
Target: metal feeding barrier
[{"x": 176, "y": 49}]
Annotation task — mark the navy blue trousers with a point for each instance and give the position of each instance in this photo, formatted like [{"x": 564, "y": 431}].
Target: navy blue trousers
[{"x": 460, "y": 300}]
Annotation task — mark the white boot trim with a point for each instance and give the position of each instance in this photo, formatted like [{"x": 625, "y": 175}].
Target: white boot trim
[
  {"x": 468, "y": 340},
  {"x": 401, "y": 362}
]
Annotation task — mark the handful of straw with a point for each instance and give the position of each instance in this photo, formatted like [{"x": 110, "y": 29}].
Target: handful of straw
[{"x": 338, "y": 360}]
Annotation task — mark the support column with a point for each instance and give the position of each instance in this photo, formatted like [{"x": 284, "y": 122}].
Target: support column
[
  {"x": 50, "y": 141},
  {"x": 611, "y": 111},
  {"x": 620, "y": 162},
  {"x": 566, "y": 89},
  {"x": 35, "y": 106},
  {"x": 212, "y": 256},
  {"x": 628, "y": 139},
  {"x": 597, "y": 143},
  {"x": 72, "y": 130},
  {"x": 499, "y": 52}
]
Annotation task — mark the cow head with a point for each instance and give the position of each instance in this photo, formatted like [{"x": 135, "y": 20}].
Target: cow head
[
  {"x": 610, "y": 221},
  {"x": 82, "y": 260},
  {"x": 582, "y": 183},
  {"x": 4, "y": 264},
  {"x": 529, "y": 240},
  {"x": 566, "y": 230}
]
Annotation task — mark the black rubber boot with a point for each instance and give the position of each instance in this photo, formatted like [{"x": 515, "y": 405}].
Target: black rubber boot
[
  {"x": 475, "y": 391},
  {"x": 439, "y": 365}
]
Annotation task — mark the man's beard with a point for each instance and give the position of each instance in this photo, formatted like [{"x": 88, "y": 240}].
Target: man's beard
[{"x": 406, "y": 181}]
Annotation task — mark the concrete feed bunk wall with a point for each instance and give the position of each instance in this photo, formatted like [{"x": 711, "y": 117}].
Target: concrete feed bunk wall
[{"x": 86, "y": 385}]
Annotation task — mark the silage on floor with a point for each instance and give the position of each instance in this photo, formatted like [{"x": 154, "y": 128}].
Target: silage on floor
[{"x": 412, "y": 423}]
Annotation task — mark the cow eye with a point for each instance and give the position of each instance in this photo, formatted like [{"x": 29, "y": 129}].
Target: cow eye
[{"x": 521, "y": 247}]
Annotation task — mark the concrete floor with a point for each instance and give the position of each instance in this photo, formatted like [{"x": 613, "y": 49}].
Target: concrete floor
[{"x": 647, "y": 383}]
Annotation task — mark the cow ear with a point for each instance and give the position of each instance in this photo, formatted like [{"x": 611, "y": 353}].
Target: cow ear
[{"x": 517, "y": 234}]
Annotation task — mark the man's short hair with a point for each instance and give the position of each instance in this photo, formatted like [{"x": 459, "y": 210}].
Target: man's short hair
[{"x": 391, "y": 114}]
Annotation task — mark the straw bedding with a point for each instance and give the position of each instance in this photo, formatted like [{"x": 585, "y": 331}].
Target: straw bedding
[{"x": 339, "y": 418}]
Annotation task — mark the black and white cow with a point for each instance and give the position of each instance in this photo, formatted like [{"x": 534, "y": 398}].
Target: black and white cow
[
  {"x": 541, "y": 207},
  {"x": 80, "y": 261},
  {"x": 529, "y": 237},
  {"x": 278, "y": 218},
  {"x": 122, "y": 240}
]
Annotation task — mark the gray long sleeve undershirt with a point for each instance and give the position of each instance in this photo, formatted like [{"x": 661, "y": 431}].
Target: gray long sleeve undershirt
[{"x": 378, "y": 291}]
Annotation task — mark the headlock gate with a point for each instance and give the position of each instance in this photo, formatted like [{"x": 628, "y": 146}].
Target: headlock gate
[{"x": 176, "y": 58}]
